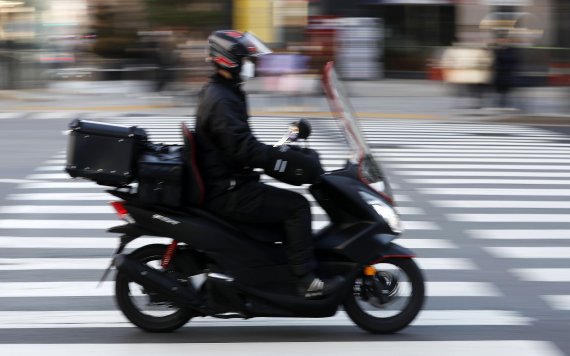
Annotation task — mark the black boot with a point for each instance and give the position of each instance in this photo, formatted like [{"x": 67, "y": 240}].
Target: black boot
[{"x": 311, "y": 287}]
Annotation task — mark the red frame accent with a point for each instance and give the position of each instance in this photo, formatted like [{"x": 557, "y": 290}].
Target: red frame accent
[
  {"x": 120, "y": 209},
  {"x": 188, "y": 134},
  {"x": 234, "y": 34},
  {"x": 225, "y": 62},
  {"x": 167, "y": 257},
  {"x": 392, "y": 256}
]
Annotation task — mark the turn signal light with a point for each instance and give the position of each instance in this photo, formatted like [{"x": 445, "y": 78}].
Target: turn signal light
[{"x": 369, "y": 271}]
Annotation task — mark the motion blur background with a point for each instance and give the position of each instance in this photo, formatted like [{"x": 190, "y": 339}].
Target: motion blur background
[{"x": 51, "y": 43}]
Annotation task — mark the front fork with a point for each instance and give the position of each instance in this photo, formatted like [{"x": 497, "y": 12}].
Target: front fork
[{"x": 379, "y": 284}]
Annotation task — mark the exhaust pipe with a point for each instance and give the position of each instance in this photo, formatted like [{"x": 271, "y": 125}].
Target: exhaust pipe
[{"x": 161, "y": 283}]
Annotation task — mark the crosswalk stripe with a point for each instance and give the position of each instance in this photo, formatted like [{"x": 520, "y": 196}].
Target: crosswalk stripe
[
  {"x": 478, "y": 159},
  {"x": 362, "y": 348},
  {"x": 106, "y": 209},
  {"x": 61, "y": 196},
  {"x": 104, "y": 318},
  {"x": 58, "y": 224},
  {"x": 49, "y": 176},
  {"x": 479, "y": 154},
  {"x": 542, "y": 274},
  {"x": 50, "y": 242},
  {"x": 558, "y": 302},
  {"x": 479, "y": 181},
  {"x": 105, "y": 224},
  {"x": 30, "y": 264},
  {"x": 495, "y": 191},
  {"x": 514, "y": 204},
  {"x": 520, "y": 234},
  {"x": 91, "y": 289},
  {"x": 529, "y": 252},
  {"x": 493, "y": 173},
  {"x": 71, "y": 184},
  {"x": 439, "y": 167},
  {"x": 508, "y": 218},
  {"x": 57, "y": 209}
]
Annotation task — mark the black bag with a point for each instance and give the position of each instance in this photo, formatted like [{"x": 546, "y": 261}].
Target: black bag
[
  {"x": 103, "y": 153},
  {"x": 161, "y": 173}
]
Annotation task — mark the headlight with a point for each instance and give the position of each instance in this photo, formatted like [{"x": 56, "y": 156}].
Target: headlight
[{"x": 384, "y": 210}]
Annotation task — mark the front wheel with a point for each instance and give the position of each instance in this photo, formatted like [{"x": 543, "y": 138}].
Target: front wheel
[
  {"x": 146, "y": 309},
  {"x": 386, "y": 297}
]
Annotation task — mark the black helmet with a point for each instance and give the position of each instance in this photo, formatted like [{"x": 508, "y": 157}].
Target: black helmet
[{"x": 227, "y": 49}]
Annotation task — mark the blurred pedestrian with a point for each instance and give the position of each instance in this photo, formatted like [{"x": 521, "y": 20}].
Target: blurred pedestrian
[
  {"x": 468, "y": 68},
  {"x": 165, "y": 58},
  {"x": 505, "y": 69}
]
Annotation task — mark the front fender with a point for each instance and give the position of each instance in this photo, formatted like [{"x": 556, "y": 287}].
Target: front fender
[
  {"x": 393, "y": 250},
  {"x": 362, "y": 242}
]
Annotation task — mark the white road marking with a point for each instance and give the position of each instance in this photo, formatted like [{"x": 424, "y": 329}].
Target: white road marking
[
  {"x": 57, "y": 209},
  {"x": 518, "y": 204},
  {"x": 50, "y": 168},
  {"x": 444, "y": 264},
  {"x": 111, "y": 318},
  {"x": 15, "y": 181},
  {"x": 529, "y": 252},
  {"x": 50, "y": 242},
  {"x": 420, "y": 225},
  {"x": 362, "y": 348},
  {"x": 494, "y": 173},
  {"x": 483, "y": 159},
  {"x": 41, "y": 264},
  {"x": 59, "y": 224},
  {"x": 49, "y": 176},
  {"x": 490, "y": 181},
  {"x": 542, "y": 274},
  {"x": 558, "y": 302},
  {"x": 507, "y": 218},
  {"x": 61, "y": 196},
  {"x": 91, "y": 289},
  {"x": 495, "y": 191},
  {"x": 71, "y": 184},
  {"x": 439, "y": 167},
  {"x": 520, "y": 234}
]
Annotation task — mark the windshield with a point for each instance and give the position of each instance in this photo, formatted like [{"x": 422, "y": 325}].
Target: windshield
[{"x": 369, "y": 171}]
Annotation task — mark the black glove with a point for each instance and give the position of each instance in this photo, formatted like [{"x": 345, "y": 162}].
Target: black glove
[{"x": 294, "y": 165}]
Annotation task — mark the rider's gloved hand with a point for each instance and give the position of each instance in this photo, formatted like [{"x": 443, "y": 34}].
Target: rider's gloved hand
[{"x": 294, "y": 165}]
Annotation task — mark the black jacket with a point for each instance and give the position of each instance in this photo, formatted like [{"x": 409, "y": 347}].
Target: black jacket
[{"x": 227, "y": 150}]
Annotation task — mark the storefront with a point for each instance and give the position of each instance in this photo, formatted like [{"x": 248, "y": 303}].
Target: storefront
[{"x": 412, "y": 29}]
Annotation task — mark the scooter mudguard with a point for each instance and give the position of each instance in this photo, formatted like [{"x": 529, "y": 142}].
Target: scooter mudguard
[{"x": 396, "y": 251}]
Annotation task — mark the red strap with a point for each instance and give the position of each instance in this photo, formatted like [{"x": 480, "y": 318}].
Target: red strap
[{"x": 188, "y": 134}]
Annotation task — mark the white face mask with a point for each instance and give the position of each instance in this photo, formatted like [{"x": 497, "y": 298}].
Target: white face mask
[{"x": 247, "y": 70}]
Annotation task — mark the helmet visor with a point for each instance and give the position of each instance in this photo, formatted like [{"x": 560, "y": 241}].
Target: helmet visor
[{"x": 255, "y": 46}]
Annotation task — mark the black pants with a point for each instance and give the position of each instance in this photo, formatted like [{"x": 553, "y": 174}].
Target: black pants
[{"x": 258, "y": 203}]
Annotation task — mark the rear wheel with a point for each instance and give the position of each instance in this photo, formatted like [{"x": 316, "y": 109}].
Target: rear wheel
[
  {"x": 388, "y": 299},
  {"x": 146, "y": 309}
]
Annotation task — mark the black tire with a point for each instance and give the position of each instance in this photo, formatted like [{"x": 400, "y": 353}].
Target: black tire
[
  {"x": 379, "y": 325},
  {"x": 125, "y": 302}
]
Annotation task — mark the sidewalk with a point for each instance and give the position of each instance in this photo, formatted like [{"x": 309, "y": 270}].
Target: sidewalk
[{"x": 405, "y": 99}]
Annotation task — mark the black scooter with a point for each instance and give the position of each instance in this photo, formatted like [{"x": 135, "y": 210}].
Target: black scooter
[{"x": 219, "y": 269}]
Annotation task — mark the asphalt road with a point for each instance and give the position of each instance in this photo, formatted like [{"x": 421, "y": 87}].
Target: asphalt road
[{"x": 484, "y": 206}]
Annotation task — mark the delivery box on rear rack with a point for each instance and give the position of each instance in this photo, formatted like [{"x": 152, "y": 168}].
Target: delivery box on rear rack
[{"x": 104, "y": 153}]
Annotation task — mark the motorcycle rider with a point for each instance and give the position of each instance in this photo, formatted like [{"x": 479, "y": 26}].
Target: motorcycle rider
[{"x": 228, "y": 153}]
